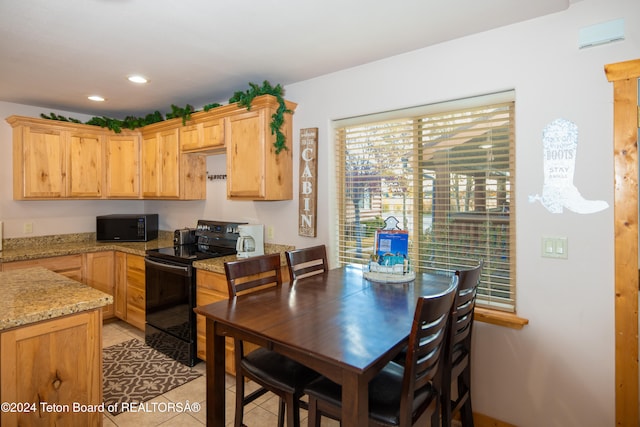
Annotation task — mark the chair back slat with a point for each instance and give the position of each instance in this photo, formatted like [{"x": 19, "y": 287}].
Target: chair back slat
[
  {"x": 307, "y": 262},
  {"x": 428, "y": 358},
  {"x": 253, "y": 272}
]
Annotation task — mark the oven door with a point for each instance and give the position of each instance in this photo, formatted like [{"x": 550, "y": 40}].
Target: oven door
[{"x": 170, "y": 299}]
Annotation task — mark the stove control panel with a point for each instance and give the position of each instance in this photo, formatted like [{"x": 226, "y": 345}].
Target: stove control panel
[{"x": 218, "y": 233}]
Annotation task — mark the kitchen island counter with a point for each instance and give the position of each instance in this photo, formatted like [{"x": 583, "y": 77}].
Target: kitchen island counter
[
  {"x": 33, "y": 294},
  {"x": 51, "y": 349}
]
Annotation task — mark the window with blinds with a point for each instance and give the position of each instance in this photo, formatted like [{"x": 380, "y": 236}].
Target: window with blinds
[{"x": 446, "y": 173}]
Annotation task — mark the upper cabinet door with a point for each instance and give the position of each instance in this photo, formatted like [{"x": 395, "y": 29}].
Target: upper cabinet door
[
  {"x": 150, "y": 178},
  {"x": 245, "y": 155},
  {"x": 169, "y": 164},
  {"x": 161, "y": 164},
  {"x": 123, "y": 166},
  {"x": 39, "y": 163},
  {"x": 254, "y": 170},
  {"x": 204, "y": 134},
  {"x": 86, "y": 165},
  {"x": 213, "y": 134}
]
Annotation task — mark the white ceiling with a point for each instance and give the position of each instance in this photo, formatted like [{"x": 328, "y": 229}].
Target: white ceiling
[{"x": 54, "y": 54}]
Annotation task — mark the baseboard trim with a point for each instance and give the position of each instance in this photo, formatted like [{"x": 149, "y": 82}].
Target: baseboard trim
[{"x": 481, "y": 420}]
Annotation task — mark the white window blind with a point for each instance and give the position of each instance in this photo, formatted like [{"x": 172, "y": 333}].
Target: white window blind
[{"x": 446, "y": 173}]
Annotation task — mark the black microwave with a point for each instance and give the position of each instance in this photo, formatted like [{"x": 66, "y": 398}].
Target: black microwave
[{"x": 127, "y": 227}]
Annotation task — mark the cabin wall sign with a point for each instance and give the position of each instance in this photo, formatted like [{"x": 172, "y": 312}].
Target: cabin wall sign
[{"x": 308, "y": 182}]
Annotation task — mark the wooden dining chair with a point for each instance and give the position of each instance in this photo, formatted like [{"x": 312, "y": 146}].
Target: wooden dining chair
[
  {"x": 307, "y": 261},
  {"x": 459, "y": 364},
  {"x": 402, "y": 396},
  {"x": 272, "y": 371}
]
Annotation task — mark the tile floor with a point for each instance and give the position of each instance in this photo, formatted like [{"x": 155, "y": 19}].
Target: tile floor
[{"x": 261, "y": 413}]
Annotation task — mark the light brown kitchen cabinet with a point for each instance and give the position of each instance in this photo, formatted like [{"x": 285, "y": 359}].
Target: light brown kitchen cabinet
[
  {"x": 120, "y": 286},
  {"x": 161, "y": 164},
  {"x": 136, "y": 303},
  {"x": 203, "y": 134},
  {"x": 56, "y": 361},
  {"x": 212, "y": 287},
  {"x": 254, "y": 170},
  {"x": 123, "y": 166},
  {"x": 86, "y": 164},
  {"x": 99, "y": 270},
  {"x": 129, "y": 289},
  {"x": 193, "y": 178},
  {"x": 167, "y": 173},
  {"x": 67, "y": 265},
  {"x": 38, "y": 163},
  {"x": 56, "y": 162},
  {"x": 165, "y": 160}
]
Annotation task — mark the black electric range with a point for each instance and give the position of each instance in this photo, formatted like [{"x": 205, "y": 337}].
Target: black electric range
[{"x": 170, "y": 285}]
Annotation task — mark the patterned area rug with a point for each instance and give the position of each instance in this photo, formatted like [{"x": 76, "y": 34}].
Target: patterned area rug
[{"x": 135, "y": 373}]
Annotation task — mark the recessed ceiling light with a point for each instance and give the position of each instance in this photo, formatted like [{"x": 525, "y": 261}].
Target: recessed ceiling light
[
  {"x": 96, "y": 98},
  {"x": 137, "y": 79}
]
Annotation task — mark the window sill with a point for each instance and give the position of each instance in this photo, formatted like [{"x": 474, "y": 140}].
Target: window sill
[{"x": 500, "y": 318}]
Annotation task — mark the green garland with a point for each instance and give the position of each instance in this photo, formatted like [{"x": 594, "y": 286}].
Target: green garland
[{"x": 243, "y": 99}]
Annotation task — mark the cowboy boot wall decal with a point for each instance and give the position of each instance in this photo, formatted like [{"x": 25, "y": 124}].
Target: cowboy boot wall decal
[{"x": 560, "y": 144}]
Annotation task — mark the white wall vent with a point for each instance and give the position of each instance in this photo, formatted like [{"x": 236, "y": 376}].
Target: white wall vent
[{"x": 605, "y": 32}]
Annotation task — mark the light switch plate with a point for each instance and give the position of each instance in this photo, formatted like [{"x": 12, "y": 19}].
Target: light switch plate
[{"x": 555, "y": 247}]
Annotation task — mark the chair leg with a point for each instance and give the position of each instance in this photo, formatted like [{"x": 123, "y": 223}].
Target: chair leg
[
  {"x": 466, "y": 412},
  {"x": 239, "y": 399},
  {"x": 292, "y": 411},
  {"x": 295, "y": 408},
  {"x": 445, "y": 405},
  {"x": 281, "y": 411},
  {"x": 436, "y": 418},
  {"x": 313, "y": 416}
]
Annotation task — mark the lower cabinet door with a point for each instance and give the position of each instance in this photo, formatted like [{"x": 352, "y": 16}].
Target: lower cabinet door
[{"x": 53, "y": 369}]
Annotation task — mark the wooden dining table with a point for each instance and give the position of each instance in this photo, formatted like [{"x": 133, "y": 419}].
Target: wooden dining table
[{"x": 345, "y": 327}]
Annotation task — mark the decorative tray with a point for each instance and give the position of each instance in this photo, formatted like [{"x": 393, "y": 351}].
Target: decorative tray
[{"x": 379, "y": 277}]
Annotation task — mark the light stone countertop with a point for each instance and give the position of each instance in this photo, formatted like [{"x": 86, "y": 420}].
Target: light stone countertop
[
  {"x": 216, "y": 265},
  {"x": 72, "y": 244},
  {"x": 33, "y": 294},
  {"x": 47, "y": 247}
]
